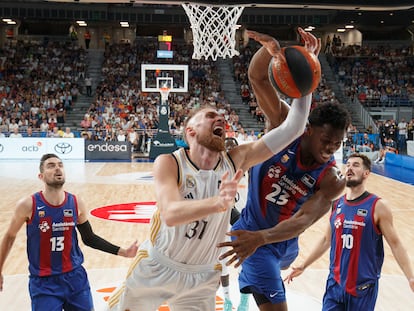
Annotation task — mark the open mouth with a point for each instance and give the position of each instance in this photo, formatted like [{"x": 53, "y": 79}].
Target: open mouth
[
  {"x": 325, "y": 157},
  {"x": 218, "y": 131}
]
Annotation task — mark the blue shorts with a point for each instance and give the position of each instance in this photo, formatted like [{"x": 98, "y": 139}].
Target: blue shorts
[
  {"x": 261, "y": 271},
  {"x": 337, "y": 299},
  {"x": 69, "y": 291}
]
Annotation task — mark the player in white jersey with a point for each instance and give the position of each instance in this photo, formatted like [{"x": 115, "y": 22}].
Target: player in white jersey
[
  {"x": 195, "y": 184},
  {"x": 184, "y": 250},
  {"x": 195, "y": 190}
]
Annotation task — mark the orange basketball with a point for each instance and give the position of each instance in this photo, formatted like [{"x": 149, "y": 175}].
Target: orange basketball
[{"x": 295, "y": 72}]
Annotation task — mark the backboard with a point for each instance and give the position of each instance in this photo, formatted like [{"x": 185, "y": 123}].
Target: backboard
[{"x": 157, "y": 76}]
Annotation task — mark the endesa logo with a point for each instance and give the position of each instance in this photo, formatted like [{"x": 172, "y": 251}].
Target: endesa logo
[
  {"x": 140, "y": 212},
  {"x": 107, "y": 148},
  {"x": 32, "y": 148}
]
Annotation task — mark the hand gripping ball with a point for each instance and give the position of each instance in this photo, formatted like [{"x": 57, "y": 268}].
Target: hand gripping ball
[{"x": 294, "y": 71}]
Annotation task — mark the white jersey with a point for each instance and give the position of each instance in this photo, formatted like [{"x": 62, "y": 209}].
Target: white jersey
[
  {"x": 179, "y": 264},
  {"x": 194, "y": 243}
]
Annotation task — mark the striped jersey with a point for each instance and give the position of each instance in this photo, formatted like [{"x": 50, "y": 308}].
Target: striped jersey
[
  {"x": 357, "y": 251},
  {"x": 284, "y": 184},
  {"x": 194, "y": 243},
  {"x": 52, "y": 242}
]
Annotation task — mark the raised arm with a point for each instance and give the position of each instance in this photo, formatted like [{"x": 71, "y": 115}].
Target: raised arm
[
  {"x": 247, "y": 242},
  {"x": 250, "y": 154},
  {"x": 383, "y": 217},
  {"x": 267, "y": 97},
  {"x": 174, "y": 209},
  {"x": 289, "y": 124}
]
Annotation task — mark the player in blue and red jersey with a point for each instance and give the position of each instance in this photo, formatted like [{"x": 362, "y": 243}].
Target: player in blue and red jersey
[
  {"x": 288, "y": 192},
  {"x": 358, "y": 222},
  {"x": 57, "y": 278}
]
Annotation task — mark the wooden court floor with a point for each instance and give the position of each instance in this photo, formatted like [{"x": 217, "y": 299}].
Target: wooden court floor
[{"x": 102, "y": 184}]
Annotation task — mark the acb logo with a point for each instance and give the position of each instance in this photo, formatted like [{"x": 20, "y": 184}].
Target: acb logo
[{"x": 30, "y": 148}]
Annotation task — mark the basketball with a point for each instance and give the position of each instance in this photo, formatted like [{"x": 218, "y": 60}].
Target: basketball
[{"x": 295, "y": 72}]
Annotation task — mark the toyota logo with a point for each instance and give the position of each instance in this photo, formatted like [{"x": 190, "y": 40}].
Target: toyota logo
[{"x": 63, "y": 148}]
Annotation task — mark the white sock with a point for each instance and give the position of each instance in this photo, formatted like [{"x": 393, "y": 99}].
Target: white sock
[{"x": 225, "y": 285}]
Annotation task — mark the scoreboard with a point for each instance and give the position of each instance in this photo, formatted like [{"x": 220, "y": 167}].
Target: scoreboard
[{"x": 164, "y": 46}]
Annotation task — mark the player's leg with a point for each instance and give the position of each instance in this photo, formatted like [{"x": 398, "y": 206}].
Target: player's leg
[
  {"x": 198, "y": 291},
  {"x": 45, "y": 294},
  {"x": 244, "y": 297},
  {"x": 334, "y": 298},
  {"x": 82, "y": 301},
  {"x": 78, "y": 295},
  {"x": 127, "y": 298},
  {"x": 146, "y": 286},
  {"x": 244, "y": 302},
  {"x": 225, "y": 285},
  {"x": 265, "y": 304},
  {"x": 290, "y": 253},
  {"x": 225, "y": 277},
  {"x": 261, "y": 276},
  {"x": 367, "y": 297},
  {"x": 43, "y": 302}
]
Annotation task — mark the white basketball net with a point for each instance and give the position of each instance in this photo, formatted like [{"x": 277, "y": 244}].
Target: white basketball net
[
  {"x": 214, "y": 29},
  {"x": 165, "y": 91}
]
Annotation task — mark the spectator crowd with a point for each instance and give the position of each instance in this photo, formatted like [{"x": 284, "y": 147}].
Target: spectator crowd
[{"x": 40, "y": 83}]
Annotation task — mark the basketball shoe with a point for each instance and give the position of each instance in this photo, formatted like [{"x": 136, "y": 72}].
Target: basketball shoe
[
  {"x": 228, "y": 306},
  {"x": 244, "y": 302}
]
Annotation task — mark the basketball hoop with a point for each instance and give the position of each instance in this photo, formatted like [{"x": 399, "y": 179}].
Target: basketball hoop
[
  {"x": 165, "y": 91},
  {"x": 214, "y": 29}
]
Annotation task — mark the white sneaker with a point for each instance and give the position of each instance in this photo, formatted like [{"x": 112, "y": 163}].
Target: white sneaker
[{"x": 381, "y": 161}]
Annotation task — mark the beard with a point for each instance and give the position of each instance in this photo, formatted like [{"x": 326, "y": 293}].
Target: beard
[
  {"x": 211, "y": 142},
  {"x": 56, "y": 183},
  {"x": 353, "y": 183}
]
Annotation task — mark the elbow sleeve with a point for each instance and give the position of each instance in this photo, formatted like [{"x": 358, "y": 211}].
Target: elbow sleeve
[{"x": 92, "y": 240}]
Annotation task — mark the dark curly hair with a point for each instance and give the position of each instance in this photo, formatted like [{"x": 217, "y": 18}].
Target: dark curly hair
[
  {"x": 366, "y": 162},
  {"x": 44, "y": 158},
  {"x": 333, "y": 114}
]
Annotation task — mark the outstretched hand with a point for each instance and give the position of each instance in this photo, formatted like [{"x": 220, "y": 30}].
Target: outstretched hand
[
  {"x": 228, "y": 190},
  {"x": 296, "y": 271},
  {"x": 130, "y": 251},
  {"x": 243, "y": 246},
  {"x": 312, "y": 44},
  {"x": 270, "y": 43}
]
